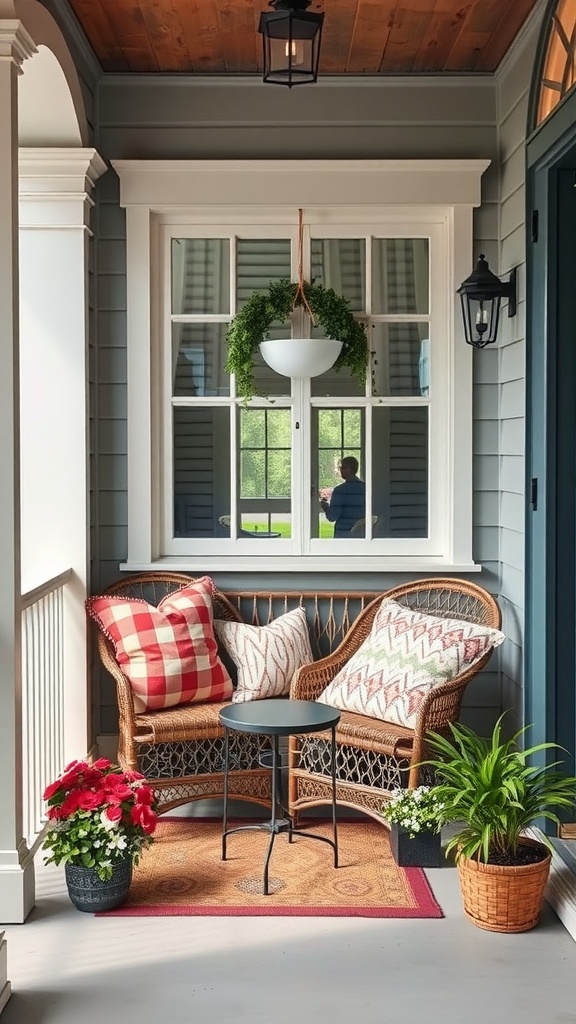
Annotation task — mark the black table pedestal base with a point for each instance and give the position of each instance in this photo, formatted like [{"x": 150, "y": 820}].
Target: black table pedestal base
[{"x": 279, "y": 822}]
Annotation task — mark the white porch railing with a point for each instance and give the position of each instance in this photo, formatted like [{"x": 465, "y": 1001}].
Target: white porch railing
[{"x": 43, "y": 698}]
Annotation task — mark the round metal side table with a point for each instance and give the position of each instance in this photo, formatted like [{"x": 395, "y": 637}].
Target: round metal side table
[{"x": 275, "y": 718}]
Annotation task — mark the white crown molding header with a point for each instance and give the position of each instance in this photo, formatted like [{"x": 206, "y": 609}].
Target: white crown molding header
[{"x": 167, "y": 184}]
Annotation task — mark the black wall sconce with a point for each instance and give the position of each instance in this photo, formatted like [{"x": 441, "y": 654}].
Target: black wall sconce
[
  {"x": 291, "y": 41},
  {"x": 480, "y": 295}
]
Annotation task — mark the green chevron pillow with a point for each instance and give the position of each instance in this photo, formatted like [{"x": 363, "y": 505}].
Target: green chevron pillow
[{"x": 405, "y": 654}]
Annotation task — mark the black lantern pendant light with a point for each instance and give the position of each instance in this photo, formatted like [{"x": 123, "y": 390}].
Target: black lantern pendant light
[
  {"x": 480, "y": 295},
  {"x": 291, "y": 40}
]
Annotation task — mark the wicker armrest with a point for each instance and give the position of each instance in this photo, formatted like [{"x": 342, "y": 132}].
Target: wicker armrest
[
  {"x": 309, "y": 681},
  {"x": 442, "y": 705},
  {"x": 126, "y": 714}
]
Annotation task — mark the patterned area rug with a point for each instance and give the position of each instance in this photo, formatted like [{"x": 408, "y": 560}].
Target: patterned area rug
[{"x": 182, "y": 874}]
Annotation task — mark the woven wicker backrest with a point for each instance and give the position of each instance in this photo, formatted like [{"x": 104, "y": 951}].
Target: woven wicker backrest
[
  {"x": 150, "y": 586},
  {"x": 449, "y": 598},
  {"x": 154, "y": 586},
  {"x": 329, "y": 614}
]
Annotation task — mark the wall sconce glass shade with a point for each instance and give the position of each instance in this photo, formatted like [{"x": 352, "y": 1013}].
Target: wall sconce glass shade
[
  {"x": 291, "y": 43},
  {"x": 480, "y": 297}
]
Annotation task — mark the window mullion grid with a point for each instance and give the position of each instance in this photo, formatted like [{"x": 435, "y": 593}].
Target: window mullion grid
[
  {"x": 302, "y": 402},
  {"x": 166, "y": 475},
  {"x": 368, "y": 323},
  {"x": 233, "y": 300},
  {"x": 234, "y": 469},
  {"x": 266, "y": 457},
  {"x": 368, "y": 470},
  {"x": 301, "y": 463}
]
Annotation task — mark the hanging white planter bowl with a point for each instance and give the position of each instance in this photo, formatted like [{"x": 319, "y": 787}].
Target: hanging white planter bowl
[{"x": 300, "y": 357}]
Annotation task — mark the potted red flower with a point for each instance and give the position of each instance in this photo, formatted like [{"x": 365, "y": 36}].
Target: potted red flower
[{"x": 100, "y": 820}]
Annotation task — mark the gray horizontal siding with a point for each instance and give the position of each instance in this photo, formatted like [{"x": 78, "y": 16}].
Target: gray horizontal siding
[{"x": 513, "y": 84}]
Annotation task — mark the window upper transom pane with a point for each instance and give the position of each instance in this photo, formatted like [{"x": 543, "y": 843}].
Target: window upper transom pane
[{"x": 200, "y": 275}]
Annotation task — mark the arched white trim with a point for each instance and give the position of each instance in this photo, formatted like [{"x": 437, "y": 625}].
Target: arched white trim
[
  {"x": 46, "y": 114},
  {"x": 45, "y": 32}
]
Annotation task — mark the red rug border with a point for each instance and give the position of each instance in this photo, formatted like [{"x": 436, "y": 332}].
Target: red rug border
[{"x": 428, "y": 907}]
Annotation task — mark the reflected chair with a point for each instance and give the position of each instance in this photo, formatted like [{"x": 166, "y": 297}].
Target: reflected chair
[
  {"x": 225, "y": 522},
  {"x": 359, "y": 527}
]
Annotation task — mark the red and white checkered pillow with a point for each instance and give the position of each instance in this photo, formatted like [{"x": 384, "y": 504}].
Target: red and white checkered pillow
[{"x": 169, "y": 653}]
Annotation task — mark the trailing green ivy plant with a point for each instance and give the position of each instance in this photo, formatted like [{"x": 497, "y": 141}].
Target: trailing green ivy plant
[{"x": 252, "y": 324}]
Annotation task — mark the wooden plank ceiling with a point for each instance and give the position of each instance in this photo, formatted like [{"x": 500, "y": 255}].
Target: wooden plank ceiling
[{"x": 360, "y": 37}]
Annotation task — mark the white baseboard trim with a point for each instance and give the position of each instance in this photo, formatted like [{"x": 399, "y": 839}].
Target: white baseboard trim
[
  {"x": 561, "y": 893},
  {"x": 5, "y": 986},
  {"x": 5, "y": 995},
  {"x": 560, "y": 890}
]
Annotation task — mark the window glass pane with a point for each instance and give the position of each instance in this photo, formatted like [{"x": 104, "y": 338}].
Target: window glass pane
[
  {"x": 201, "y": 471},
  {"x": 340, "y": 263},
  {"x": 336, "y": 384},
  {"x": 198, "y": 359},
  {"x": 400, "y": 275},
  {"x": 400, "y": 359},
  {"x": 549, "y": 98},
  {"x": 258, "y": 262},
  {"x": 200, "y": 275},
  {"x": 337, "y": 436},
  {"x": 265, "y": 485},
  {"x": 266, "y": 381},
  {"x": 566, "y": 14},
  {"x": 556, "y": 59},
  {"x": 400, "y": 471}
]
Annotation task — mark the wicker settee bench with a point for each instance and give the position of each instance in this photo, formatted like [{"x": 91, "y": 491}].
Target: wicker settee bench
[{"x": 180, "y": 750}]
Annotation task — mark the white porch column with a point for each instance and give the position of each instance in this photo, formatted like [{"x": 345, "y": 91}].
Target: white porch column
[
  {"x": 55, "y": 205},
  {"x": 16, "y": 865}
]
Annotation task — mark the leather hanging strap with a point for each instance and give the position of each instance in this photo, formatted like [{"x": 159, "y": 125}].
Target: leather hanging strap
[{"x": 300, "y": 289}]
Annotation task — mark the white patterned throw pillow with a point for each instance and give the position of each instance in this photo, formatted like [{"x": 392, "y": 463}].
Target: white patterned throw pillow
[
  {"x": 405, "y": 654},
  {"x": 266, "y": 656}
]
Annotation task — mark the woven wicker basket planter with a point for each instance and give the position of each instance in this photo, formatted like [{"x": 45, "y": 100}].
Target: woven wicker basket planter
[{"x": 503, "y": 899}]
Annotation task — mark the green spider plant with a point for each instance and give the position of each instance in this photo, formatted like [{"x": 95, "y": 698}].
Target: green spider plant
[{"x": 489, "y": 786}]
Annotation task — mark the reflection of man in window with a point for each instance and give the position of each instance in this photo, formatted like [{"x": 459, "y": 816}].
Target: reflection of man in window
[{"x": 348, "y": 500}]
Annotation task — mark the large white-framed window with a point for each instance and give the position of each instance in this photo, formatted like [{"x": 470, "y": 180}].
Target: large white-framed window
[{"x": 241, "y": 484}]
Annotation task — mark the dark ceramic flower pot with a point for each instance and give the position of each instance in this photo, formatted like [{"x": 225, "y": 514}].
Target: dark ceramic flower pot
[
  {"x": 423, "y": 851},
  {"x": 89, "y": 893}
]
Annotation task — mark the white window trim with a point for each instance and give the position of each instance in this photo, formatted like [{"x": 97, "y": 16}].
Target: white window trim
[{"x": 160, "y": 191}]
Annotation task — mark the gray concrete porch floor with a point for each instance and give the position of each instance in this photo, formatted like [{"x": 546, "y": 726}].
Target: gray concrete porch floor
[{"x": 67, "y": 967}]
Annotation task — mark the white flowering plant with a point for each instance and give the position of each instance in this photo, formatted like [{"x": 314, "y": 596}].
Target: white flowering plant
[
  {"x": 98, "y": 815},
  {"x": 417, "y": 810}
]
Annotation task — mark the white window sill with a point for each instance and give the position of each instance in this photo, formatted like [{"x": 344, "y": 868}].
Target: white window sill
[{"x": 274, "y": 564}]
